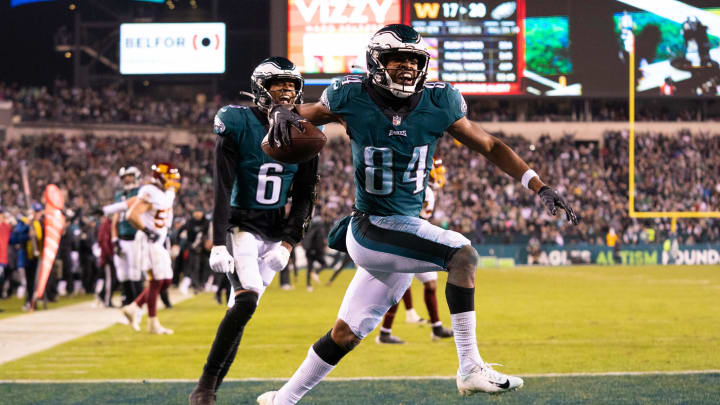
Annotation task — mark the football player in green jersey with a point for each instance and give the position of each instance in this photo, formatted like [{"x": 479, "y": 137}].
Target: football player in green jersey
[
  {"x": 251, "y": 191},
  {"x": 123, "y": 235},
  {"x": 394, "y": 119}
]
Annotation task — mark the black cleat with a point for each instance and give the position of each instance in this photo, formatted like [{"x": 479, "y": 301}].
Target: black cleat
[
  {"x": 438, "y": 332},
  {"x": 204, "y": 391},
  {"x": 388, "y": 339}
]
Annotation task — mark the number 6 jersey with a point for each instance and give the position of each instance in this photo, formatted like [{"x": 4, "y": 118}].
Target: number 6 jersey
[
  {"x": 251, "y": 188},
  {"x": 392, "y": 149}
]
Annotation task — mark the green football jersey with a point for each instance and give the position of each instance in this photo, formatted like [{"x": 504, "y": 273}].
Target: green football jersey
[
  {"x": 123, "y": 227},
  {"x": 261, "y": 182},
  {"x": 392, "y": 156}
]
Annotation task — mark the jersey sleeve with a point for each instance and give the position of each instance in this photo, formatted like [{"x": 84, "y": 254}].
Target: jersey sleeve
[
  {"x": 229, "y": 122},
  {"x": 337, "y": 95},
  {"x": 449, "y": 100},
  {"x": 148, "y": 194}
]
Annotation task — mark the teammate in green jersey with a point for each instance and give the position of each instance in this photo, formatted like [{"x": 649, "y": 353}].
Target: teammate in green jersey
[
  {"x": 394, "y": 118},
  {"x": 123, "y": 236},
  {"x": 251, "y": 191}
]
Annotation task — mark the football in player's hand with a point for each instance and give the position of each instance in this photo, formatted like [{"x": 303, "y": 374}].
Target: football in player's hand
[{"x": 305, "y": 144}]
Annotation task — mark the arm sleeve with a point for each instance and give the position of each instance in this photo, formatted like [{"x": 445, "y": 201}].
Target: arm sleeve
[
  {"x": 223, "y": 179},
  {"x": 304, "y": 192}
]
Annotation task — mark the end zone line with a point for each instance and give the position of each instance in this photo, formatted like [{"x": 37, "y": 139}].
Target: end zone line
[{"x": 343, "y": 379}]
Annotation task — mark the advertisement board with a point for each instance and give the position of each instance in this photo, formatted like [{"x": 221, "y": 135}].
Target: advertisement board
[
  {"x": 172, "y": 48},
  {"x": 643, "y": 254},
  {"x": 326, "y": 36}
]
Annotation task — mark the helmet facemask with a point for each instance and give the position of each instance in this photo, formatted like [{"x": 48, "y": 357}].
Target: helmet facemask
[
  {"x": 382, "y": 78},
  {"x": 129, "y": 171},
  {"x": 397, "y": 39},
  {"x": 274, "y": 69}
]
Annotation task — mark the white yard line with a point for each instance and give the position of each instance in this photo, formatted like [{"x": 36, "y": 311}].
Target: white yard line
[
  {"x": 23, "y": 335},
  {"x": 385, "y": 378}
]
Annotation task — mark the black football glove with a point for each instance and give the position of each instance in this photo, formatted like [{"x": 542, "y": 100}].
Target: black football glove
[
  {"x": 152, "y": 236},
  {"x": 117, "y": 248},
  {"x": 552, "y": 200},
  {"x": 281, "y": 118}
]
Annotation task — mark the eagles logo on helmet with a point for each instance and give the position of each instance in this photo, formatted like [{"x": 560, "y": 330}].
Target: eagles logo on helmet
[
  {"x": 397, "y": 38},
  {"x": 274, "y": 68},
  {"x": 166, "y": 176}
]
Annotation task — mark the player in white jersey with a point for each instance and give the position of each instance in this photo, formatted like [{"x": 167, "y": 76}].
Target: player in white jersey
[
  {"x": 151, "y": 214},
  {"x": 429, "y": 279}
]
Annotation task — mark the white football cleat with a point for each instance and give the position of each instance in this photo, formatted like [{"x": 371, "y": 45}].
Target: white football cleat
[
  {"x": 412, "y": 317},
  {"x": 155, "y": 328},
  {"x": 131, "y": 313},
  {"x": 267, "y": 398},
  {"x": 484, "y": 379}
]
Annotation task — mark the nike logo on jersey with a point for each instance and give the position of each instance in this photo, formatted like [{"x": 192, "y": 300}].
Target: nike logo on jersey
[
  {"x": 397, "y": 133},
  {"x": 504, "y": 385}
]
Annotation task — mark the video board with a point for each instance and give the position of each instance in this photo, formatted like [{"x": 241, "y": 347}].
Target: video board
[
  {"x": 330, "y": 37},
  {"x": 676, "y": 46},
  {"x": 478, "y": 46}
]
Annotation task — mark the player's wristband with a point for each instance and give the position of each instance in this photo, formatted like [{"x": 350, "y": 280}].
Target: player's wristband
[{"x": 527, "y": 176}]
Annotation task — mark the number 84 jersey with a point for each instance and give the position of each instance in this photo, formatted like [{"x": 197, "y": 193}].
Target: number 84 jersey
[
  {"x": 392, "y": 153},
  {"x": 261, "y": 182}
]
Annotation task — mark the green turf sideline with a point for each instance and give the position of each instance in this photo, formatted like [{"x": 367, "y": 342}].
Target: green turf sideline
[
  {"x": 382, "y": 378},
  {"x": 636, "y": 390}
]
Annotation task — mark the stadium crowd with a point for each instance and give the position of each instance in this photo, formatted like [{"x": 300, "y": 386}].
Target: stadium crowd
[
  {"x": 62, "y": 103},
  {"x": 90, "y": 106},
  {"x": 478, "y": 200}
]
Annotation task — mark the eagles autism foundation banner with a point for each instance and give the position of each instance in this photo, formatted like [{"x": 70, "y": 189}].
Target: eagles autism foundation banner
[
  {"x": 54, "y": 223},
  {"x": 644, "y": 254}
]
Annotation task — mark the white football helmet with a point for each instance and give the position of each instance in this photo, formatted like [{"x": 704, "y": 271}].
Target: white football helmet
[
  {"x": 130, "y": 171},
  {"x": 396, "y": 38}
]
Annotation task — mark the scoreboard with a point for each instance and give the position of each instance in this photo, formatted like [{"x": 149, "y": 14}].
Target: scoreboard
[{"x": 478, "y": 46}]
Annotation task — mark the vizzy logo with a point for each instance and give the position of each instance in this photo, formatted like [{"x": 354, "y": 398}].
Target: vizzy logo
[{"x": 343, "y": 11}]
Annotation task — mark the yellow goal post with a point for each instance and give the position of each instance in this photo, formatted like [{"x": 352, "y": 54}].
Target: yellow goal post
[{"x": 674, "y": 215}]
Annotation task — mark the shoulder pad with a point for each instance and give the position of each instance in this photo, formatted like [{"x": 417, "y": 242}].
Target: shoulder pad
[
  {"x": 340, "y": 91},
  {"x": 229, "y": 119},
  {"x": 445, "y": 96},
  {"x": 147, "y": 192}
]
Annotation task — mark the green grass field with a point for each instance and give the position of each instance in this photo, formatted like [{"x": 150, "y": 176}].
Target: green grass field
[{"x": 533, "y": 320}]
